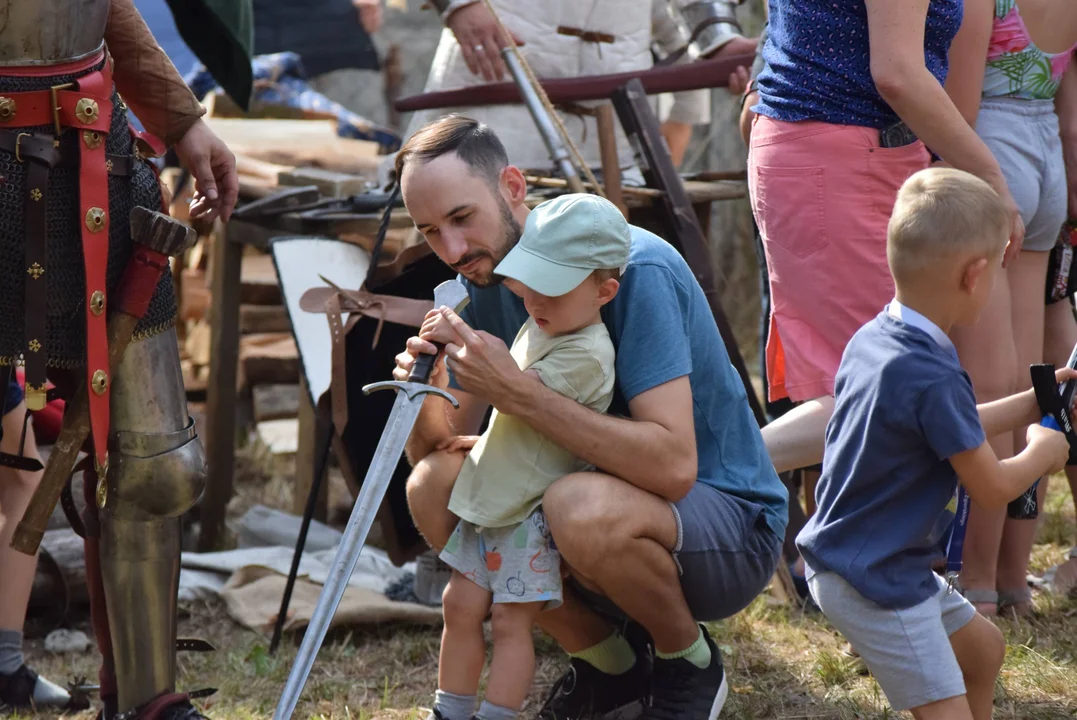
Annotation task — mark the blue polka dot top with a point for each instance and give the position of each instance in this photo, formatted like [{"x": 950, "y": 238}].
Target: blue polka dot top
[{"x": 818, "y": 67}]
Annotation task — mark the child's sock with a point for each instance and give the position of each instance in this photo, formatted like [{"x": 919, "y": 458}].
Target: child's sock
[
  {"x": 698, "y": 653},
  {"x": 10, "y": 651},
  {"x": 613, "y": 656},
  {"x": 495, "y": 712},
  {"x": 454, "y": 707}
]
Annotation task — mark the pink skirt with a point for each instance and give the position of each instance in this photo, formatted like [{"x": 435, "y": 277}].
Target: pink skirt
[{"x": 822, "y": 195}]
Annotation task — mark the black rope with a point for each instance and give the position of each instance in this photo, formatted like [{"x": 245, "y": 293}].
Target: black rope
[{"x": 383, "y": 230}]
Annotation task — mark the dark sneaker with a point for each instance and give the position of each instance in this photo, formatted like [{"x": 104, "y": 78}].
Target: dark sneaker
[
  {"x": 681, "y": 691},
  {"x": 586, "y": 693}
]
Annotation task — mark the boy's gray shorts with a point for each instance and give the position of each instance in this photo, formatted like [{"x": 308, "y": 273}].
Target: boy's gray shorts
[{"x": 908, "y": 651}]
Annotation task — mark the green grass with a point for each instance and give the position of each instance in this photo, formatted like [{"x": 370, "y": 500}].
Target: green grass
[{"x": 782, "y": 662}]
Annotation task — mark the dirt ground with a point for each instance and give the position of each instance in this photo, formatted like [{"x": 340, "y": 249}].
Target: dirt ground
[{"x": 782, "y": 662}]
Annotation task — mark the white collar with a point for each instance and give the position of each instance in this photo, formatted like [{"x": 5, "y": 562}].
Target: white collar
[{"x": 910, "y": 317}]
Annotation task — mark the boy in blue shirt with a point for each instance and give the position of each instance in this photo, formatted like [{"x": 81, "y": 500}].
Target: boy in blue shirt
[{"x": 905, "y": 430}]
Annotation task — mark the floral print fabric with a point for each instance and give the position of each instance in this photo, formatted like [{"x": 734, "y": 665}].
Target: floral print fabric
[{"x": 1015, "y": 66}]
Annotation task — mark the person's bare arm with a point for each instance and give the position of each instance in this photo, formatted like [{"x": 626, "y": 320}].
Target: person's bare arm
[
  {"x": 1066, "y": 107},
  {"x": 1016, "y": 411},
  {"x": 655, "y": 450},
  {"x": 968, "y": 58},
  {"x": 896, "y": 36},
  {"x": 438, "y": 421},
  {"x": 992, "y": 483}
]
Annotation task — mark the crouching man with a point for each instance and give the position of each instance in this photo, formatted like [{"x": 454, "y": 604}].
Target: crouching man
[{"x": 683, "y": 522}]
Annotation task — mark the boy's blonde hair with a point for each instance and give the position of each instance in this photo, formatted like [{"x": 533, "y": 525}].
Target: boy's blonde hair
[{"x": 942, "y": 214}]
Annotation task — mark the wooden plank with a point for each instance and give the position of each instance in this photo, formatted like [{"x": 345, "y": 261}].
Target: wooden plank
[
  {"x": 306, "y": 458},
  {"x": 328, "y": 182},
  {"x": 268, "y": 358},
  {"x": 275, "y": 402},
  {"x": 220, "y": 435},
  {"x": 297, "y": 143},
  {"x": 263, "y": 319},
  {"x": 259, "y": 278}
]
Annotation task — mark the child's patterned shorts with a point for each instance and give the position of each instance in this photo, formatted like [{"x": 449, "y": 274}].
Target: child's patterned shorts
[{"x": 516, "y": 563}]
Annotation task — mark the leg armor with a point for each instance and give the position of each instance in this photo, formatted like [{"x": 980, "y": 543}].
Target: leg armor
[{"x": 156, "y": 473}]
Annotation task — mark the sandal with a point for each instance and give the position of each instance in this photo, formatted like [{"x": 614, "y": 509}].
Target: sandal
[
  {"x": 1015, "y": 603},
  {"x": 989, "y": 598}
]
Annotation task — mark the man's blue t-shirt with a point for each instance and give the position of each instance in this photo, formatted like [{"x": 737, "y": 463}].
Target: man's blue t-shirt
[
  {"x": 818, "y": 63},
  {"x": 903, "y": 407},
  {"x": 662, "y": 329}
]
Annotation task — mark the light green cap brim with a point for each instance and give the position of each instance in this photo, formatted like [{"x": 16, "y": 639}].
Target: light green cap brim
[{"x": 540, "y": 274}]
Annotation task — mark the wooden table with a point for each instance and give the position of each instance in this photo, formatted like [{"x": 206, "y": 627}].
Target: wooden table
[{"x": 220, "y": 431}]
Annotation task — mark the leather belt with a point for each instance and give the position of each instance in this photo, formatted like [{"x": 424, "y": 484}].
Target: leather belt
[
  {"x": 586, "y": 35},
  {"x": 16, "y": 143},
  {"x": 84, "y": 106}
]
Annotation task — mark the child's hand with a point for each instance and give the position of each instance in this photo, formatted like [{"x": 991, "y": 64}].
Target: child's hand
[
  {"x": 436, "y": 328},
  {"x": 1051, "y": 443},
  {"x": 459, "y": 443}
]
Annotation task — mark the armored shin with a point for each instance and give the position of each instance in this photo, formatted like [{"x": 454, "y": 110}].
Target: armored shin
[{"x": 156, "y": 473}]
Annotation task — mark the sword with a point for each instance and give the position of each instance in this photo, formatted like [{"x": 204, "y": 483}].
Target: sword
[{"x": 409, "y": 401}]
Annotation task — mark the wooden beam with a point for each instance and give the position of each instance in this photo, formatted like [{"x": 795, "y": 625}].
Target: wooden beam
[
  {"x": 220, "y": 435},
  {"x": 263, "y": 319},
  {"x": 306, "y": 458}
]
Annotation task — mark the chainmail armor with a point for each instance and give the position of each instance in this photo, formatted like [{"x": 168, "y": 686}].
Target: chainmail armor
[{"x": 66, "y": 333}]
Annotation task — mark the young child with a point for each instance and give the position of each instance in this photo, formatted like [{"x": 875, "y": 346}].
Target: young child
[
  {"x": 565, "y": 267},
  {"x": 905, "y": 430}
]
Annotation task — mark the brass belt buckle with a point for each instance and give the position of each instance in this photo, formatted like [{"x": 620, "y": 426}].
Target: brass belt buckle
[
  {"x": 18, "y": 145},
  {"x": 56, "y": 107}
]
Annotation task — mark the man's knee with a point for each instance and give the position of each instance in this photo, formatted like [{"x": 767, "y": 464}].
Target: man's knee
[
  {"x": 429, "y": 488},
  {"x": 581, "y": 517}
]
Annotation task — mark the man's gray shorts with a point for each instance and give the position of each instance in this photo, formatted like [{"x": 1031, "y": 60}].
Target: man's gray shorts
[
  {"x": 726, "y": 555},
  {"x": 908, "y": 651}
]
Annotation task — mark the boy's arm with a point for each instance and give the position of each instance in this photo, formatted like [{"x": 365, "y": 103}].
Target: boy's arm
[
  {"x": 1009, "y": 413},
  {"x": 993, "y": 483},
  {"x": 1016, "y": 411}
]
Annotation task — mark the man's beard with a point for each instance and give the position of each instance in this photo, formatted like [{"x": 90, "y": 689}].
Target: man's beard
[{"x": 510, "y": 235}]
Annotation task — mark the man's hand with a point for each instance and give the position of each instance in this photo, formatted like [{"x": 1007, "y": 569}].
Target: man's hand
[
  {"x": 480, "y": 41},
  {"x": 458, "y": 443},
  {"x": 369, "y": 14},
  {"x": 1051, "y": 444},
  {"x": 214, "y": 169},
  {"x": 482, "y": 364}
]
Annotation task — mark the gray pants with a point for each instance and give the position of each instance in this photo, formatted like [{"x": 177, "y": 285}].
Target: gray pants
[{"x": 1023, "y": 137}]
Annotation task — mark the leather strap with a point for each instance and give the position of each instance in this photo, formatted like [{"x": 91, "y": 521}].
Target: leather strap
[
  {"x": 13, "y": 142},
  {"x": 35, "y": 107},
  {"x": 586, "y": 35},
  {"x": 338, "y": 382},
  {"x": 93, "y": 205},
  {"x": 71, "y": 511},
  {"x": 40, "y": 156},
  {"x": 18, "y": 462},
  {"x": 385, "y": 308},
  {"x": 194, "y": 645}
]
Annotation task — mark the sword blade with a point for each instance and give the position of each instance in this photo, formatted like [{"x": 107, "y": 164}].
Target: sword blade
[{"x": 390, "y": 448}]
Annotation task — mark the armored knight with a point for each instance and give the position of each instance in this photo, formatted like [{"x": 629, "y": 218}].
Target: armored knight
[{"x": 71, "y": 170}]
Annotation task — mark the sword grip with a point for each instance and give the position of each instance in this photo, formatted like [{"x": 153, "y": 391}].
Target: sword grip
[{"x": 424, "y": 366}]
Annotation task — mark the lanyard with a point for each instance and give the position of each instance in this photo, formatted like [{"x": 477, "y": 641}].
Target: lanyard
[{"x": 956, "y": 543}]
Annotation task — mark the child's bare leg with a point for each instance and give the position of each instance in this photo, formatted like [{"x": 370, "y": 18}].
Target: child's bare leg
[
  {"x": 463, "y": 648},
  {"x": 513, "y": 666},
  {"x": 955, "y": 708},
  {"x": 428, "y": 490},
  {"x": 980, "y": 650}
]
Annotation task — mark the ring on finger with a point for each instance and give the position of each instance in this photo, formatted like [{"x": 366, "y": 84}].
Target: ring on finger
[{"x": 479, "y": 48}]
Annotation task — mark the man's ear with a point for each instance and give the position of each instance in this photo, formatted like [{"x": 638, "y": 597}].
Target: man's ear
[
  {"x": 973, "y": 274},
  {"x": 607, "y": 290},
  {"x": 514, "y": 185}
]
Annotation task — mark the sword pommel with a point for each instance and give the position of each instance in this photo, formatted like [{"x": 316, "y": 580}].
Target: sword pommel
[{"x": 453, "y": 295}]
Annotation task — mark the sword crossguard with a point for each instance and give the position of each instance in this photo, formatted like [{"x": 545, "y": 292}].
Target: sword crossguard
[{"x": 411, "y": 389}]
